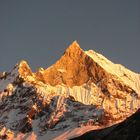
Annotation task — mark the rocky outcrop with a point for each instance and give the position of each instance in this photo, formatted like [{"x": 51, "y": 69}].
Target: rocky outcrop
[{"x": 24, "y": 69}]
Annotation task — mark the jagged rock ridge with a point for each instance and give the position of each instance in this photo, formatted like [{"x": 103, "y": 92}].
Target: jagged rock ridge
[{"x": 56, "y": 99}]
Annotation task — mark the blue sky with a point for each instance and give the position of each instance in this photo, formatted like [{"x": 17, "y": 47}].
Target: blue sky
[{"x": 39, "y": 31}]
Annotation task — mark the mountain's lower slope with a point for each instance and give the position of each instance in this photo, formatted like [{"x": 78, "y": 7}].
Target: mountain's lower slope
[
  {"x": 126, "y": 130},
  {"x": 47, "y": 116},
  {"x": 82, "y": 91}
]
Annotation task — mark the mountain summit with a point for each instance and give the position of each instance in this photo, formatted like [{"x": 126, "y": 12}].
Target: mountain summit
[{"x": 82, "y": 91}]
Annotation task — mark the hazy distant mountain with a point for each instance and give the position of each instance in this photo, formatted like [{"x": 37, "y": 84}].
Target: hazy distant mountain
[{"x": 82, "y": 91}]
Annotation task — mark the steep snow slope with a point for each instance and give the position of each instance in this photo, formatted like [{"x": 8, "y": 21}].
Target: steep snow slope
[{"x": 127, "y": 76}]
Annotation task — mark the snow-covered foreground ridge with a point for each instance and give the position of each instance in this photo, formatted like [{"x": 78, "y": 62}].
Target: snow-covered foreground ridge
[{"x": 82, "y": 91}]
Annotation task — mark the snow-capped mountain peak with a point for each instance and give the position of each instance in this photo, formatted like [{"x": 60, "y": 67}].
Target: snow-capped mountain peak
[{"x": 82, "y": 91}]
